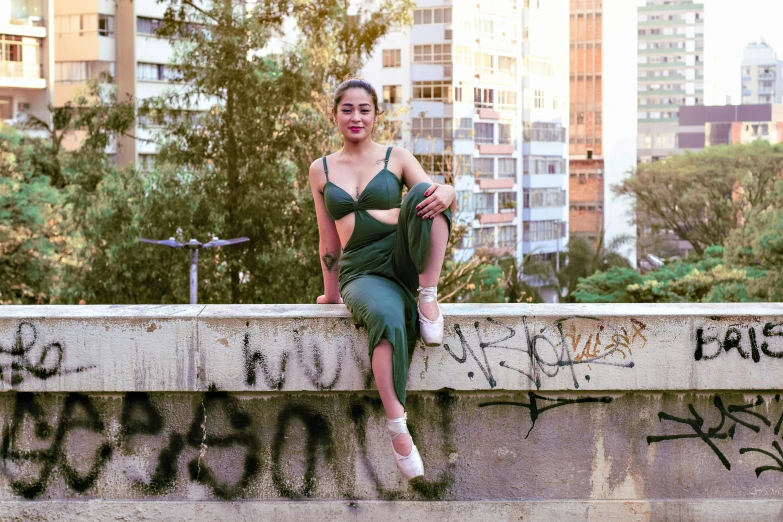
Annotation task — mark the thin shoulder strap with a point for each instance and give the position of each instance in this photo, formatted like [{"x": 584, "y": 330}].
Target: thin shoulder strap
[
  {"x": 326, "y": 169},
  {"x": 388, "y": 153}
]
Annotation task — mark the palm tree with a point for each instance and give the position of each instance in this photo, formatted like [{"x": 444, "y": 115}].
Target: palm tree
[{"x": 584, "y": 258}]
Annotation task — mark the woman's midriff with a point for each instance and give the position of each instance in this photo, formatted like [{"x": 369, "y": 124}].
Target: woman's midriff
[{"x": 346, "y": 225}]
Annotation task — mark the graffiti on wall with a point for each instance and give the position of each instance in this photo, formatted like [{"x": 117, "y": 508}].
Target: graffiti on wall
[
  {"x": 544, "y": 351},
  {"x": 295, "y": 443},
  {"x": 750, "y": 341},
  {"x": 730, "y": 418},
  {"x": 28, "y": 356}
]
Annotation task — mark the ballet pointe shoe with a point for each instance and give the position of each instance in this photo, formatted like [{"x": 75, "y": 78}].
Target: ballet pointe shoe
[
  {"x": 431, "y": 330},
  {"x": 411, "y": 465}
]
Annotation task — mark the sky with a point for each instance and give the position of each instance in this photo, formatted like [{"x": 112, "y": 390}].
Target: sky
[{"x": 729, "y": 25}]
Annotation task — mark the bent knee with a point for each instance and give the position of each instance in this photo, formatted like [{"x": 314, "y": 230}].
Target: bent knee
[{"x": 416, "y": 194}]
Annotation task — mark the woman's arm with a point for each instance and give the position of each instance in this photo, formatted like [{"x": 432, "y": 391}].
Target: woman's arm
[
  {"x": 329, "y": 247},
  {"x": 439, "y": 197}
]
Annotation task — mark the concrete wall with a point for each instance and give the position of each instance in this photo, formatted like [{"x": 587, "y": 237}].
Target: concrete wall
[{"x": 632, "y": 412}]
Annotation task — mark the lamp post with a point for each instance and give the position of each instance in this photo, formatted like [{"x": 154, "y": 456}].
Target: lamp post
[{"x": 193, "y": 246}]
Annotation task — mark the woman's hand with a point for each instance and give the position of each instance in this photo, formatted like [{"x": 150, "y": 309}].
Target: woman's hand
[
  {"x": 439, "y": 198},
  {"x": 322, "y": 299}
]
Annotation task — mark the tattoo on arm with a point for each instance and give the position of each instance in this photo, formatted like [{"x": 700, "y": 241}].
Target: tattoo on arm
[{"x": 330, "y": 261}]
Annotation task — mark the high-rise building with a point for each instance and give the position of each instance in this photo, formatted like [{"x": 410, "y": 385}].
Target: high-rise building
[
  {"x": 482, "y": 95},
  {"x": 115, "y": 40},
  {"x": 544, "y": 123},
  {"x": 762, "y": 75},
  {"x": 602, "y": 130},
  {"x": 671, "y": 70},
  {"x": 26, "y": 58}
]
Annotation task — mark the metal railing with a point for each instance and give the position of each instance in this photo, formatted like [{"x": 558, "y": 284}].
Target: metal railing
[{"x": 30, "y": 71}]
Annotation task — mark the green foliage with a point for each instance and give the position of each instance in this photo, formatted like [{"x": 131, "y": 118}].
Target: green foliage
[
  {"x": 707, "y": 280},
  {"x": 703, "y": 196},
  {"x": 238, "y": 169},
  {"x": 31, "y": 224}
]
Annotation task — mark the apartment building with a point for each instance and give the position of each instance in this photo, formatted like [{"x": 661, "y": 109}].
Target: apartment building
[
  {"x": 459, "y": 69},
  {"x": 544, "y": 116},
  {"x": 602, "y": 130},
  {"x": 762, "y": 75},
  {"x": 671, "y": 70},
  {"x": 26, "y": 58},
  {"x": 114, "y": 40}
]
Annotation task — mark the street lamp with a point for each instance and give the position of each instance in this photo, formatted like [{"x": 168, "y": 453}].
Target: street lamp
[{"x": 193, "y": 246}]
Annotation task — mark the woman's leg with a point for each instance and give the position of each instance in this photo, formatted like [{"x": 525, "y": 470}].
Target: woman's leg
[
  {"x": 384, "y": 380},
  {"x": 439, "y": 238}
]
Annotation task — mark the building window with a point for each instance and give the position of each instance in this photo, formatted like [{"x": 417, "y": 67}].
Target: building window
[
  {"x": 539, "y": 131},
  {"x": 463, "y": 55},
  {"x": 147, "y": 26},
  {"x": 507, "y": 236},
  {"x": 507, "y": 168},
  {"x": 482, "y": 63},
  {"x": 484, "y": 28},
  {"x": 554, "y": 102},
  {"x": 505, "y": 135},
  {"x": 483, "y": 98},
  {"x": 80, "y": 72},
  {"x": 538, "y": 99},
  {"x": 462, "y": 164},
  {"x": 432, "y": 53},
  {"x": 155, "y": 72},
  {"x": 146, "y": 162},
  {"x": 432, "y": 15},
  {"x": 464, "y": 130},
  {"x": 392, "y": 93},
  {"x": 11, "y": 50},
  {"x": 548, "y": 197},
  {"x": 106, "y": 25},
  {"x": 484, "y": 132},
  {"x": 465, "y": 201},
  {"x": 392, "y": 57},
  {"x": 544, "y": 165},
  {"x": 432, "y": 127},
  {"x": 543, "y": 230},
  {"x": 484, "y": 203},
  {"x": 507, "y": 201},
  {"x": 507, "y": 101},
  {"x": 507, "y": 65},
  {"x": 484, "y": 168},
  {"x": 433, "y": 91}
]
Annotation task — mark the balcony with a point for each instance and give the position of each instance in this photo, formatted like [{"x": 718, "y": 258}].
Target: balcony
[
  {"x": 20, "y": 75},
  {"x": 25, "y": 13}
]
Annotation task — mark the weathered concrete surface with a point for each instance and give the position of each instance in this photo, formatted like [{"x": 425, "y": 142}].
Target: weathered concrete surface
[
  {"x": 539, "y": 412},
  {"x": 317, "y": 347},
  {"x": 248, "y": 511},
  {"x": 476, "y": 446}
]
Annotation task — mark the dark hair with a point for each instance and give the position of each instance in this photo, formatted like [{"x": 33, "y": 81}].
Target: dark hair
[{"x": 355, "y": 83}]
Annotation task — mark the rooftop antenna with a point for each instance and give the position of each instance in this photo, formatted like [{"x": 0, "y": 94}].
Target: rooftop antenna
[{"x": 193, "y": 246}]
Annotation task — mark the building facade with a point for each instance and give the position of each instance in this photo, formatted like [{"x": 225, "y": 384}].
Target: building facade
[
  {"x": 602, "y": 131},
  {"x": 88, "y": 35},
  {"x": 671, "y": 70},
  {"x": 487, "y": 109},
  {"x": 762, "y": 75},
  {"x": 26, "y": 58}
]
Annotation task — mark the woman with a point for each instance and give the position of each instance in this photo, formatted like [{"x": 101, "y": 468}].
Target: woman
[{"x": 377, "y": 250}]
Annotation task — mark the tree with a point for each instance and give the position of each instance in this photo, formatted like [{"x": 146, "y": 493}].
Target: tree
[
  {"x": 703, "y": 196},
  {"x": 240, "y": 167},
  {"x": 31, "y": 224}
]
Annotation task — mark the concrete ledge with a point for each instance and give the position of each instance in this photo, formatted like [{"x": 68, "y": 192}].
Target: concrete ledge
[
  {"x": 317, "y": 348},
  {"x": 282, "y": 511}
]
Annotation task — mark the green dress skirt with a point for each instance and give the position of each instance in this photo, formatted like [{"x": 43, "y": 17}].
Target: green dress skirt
[{"x": 379, "y": 275}]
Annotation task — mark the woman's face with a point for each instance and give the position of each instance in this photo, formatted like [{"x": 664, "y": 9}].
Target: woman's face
[{"x": 355, "y": 115}]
